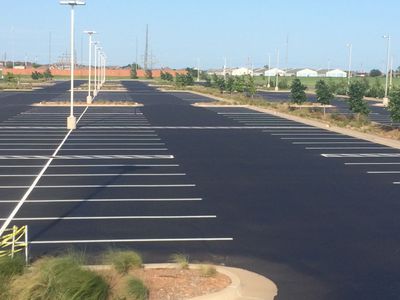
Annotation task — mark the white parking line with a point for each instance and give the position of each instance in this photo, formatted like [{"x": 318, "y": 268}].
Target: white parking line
[
  {"x": 86, "y": 166},
  {"x": 168, "y": 240},
  {"x": 344, "y": 148},
  {"x": 114, "y": 218},
  {"x": 374, "y": 163},
  {"x": 95, "y": 175},
  {"x": 383, "y": 172},
  {"x": 107, "y": 200},
  {"x": 77, "y": 157},
  {"x": 99, "y": 186},
  {"x": 305, "y": 134},
  {"x": 195, "y": 127},
  {"x": 318, "y": 138},
  {"x": 328, "y": 143},
  {"x": 361, "y": 155}
]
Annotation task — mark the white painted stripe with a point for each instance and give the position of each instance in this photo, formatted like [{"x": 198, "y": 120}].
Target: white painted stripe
[
  {"x": 382, "y": 163},
  {"x": 76, "y": 157},
  {"x": 112, "y": 144},
  {"x": 296, "y": 134},
  {"x": 238, "y": 113},
  {"x": 31, "y": 127},
  {"x": 34, "y": 184},
  {"x": 314, "y": 138},
  {"x": 361, "y": 155},
  {"x": 106, "y": 149},
  {"x": 114, "y": 218},
  {"x": 343, "y": 148},
  {"x": 94, "y": 175},
  {"x": 169, "y": 240},
  {"x": 328, "y": 143},
  {"x": 195, "y": 127},
  {"x": 383, "y": 172},
  {"x": 99, "y": 186},
  {"x": 106, "y": 200},
  {"x": 84, "y": 166}
]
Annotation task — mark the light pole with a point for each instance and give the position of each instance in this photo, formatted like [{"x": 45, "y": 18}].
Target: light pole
[
  {"x": 71, "y": 120},
  {"x": 95, "y": 69},
  {"x": 277, "y": 71},
  {"x": 89, "y": 98},
  {"x": 386, "y": 99},
  {"x": 350, "y": 46},
  {"x": 198, "y": 70},
  {"x": 99, "y": 69},
  {"x": 269, "y": 70}
]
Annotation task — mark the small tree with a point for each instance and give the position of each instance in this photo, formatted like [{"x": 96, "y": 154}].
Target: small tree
[
  {"x": 9, "y": 77},
  {"x": 356, "y": 99},
  {"x": 168, "y": 76},
  {"x": 149, "y": 74},
  {"x": 47, "y": 74},
  {"x": 375, "y": 73},
  {"x": 297, "y": 93},
  {"x": 250, "y": 86},
  {"x": 230, "y": 84},
  {"x": 239, "y": 85},
  {"x": 134, "y": 73},
  {"x": 324, "y": 93},
  {"x": 394, "y": 105}
]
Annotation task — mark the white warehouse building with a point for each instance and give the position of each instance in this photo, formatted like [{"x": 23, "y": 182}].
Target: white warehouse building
[
  {"x": 274, "y": 72},
  {"x": 307, "y": 73},
  {"x": 336, "y": 73},
  {"x": 242, "y": 71}
]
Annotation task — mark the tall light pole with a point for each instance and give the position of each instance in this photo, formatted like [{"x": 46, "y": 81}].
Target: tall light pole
[
  {"x": 95, "y": 69},
  {"x": 99, "y": 68},
  {"x": 269, "y": 70},
  {"x": 386, "y": 99},
  {"x": 277, "y": 71},
  {"x": 350, "y": 46},
  {"x": 198, "y": 70},
  {"x": 89, "y": 98},
  {"x": 71, "y": 120}
]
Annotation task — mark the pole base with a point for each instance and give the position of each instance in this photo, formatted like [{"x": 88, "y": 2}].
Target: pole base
[
  {"x": 89, "y": 99},
  {"x": 94, "y": 93},
  {"x": 71, "y": 123},
  {"x": 385, "y": 101},
  {"x": 276, "y": 88}
]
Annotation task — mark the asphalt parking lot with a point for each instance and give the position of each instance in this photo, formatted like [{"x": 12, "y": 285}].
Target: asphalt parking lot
[{"x": 315, "y": 211}]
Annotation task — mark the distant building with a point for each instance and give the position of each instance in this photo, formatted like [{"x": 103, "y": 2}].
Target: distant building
[
  {"x": 307, "y": 73},
  {"x": 242, "y": 71},
  {"x": 273, "y": 72},
  {"x": 259, "y": 71},
  {"x": 292, "y": 72},
  {"x": 336, "y": 73}
]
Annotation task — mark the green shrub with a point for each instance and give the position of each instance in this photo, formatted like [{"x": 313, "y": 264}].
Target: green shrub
[
  {"x": 123, "y": 261},
  {"x": 182, "y": 260},
  {"x": 208, "y": 271},
  {"x": 59, "y": 279},
  {"x": 10, "y": 267},
  {"x": 136, "y": 289},
  {"x": 297, "y": 92}
]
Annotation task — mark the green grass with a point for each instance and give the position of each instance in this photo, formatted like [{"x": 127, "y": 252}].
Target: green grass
[
  {"x": 136, "y": 289},
  {"x": 123, "y": 261},
  {"x": 59, "y": 279}
]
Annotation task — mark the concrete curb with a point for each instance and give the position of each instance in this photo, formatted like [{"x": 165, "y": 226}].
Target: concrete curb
[
  {"x": 350, "y": 132},
  {"x": 245, "y": 285}
]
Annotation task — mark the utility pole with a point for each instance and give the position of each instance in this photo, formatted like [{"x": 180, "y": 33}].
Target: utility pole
[
  {"x": 225, "y": 68},
  {"x": 146, "y": 50},
  {"x": 198, "y": 69},
  {"x": 136, "y": 59},
  {"x": 386, "y": 99},
  {"x": 391, "y": 73}
]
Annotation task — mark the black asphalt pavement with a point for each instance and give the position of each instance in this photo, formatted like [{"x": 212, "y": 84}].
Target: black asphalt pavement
[{"x": 315, "y": 211}]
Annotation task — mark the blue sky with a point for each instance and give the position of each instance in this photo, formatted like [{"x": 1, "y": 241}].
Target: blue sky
[{"x": 182, "y": 31}]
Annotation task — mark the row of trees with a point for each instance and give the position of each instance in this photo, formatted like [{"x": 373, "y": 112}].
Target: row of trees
[
  {"x": 356, "y": 93},
  {"x": 233, "y": 84},
  {"x": 46, "y": 75}
]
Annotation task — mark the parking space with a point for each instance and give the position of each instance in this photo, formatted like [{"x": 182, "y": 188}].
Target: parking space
[
  {"x": 108, "y": 183},
  {"x": 369, "y": 157}
]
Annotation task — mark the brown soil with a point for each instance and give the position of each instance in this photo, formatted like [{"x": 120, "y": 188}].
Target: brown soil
[{"x": 167, "y": 284}]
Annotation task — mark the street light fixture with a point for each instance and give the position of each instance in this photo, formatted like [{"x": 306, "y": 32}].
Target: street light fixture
[
  {"x": 89, "y": 98},
  {"x": 386, "y": 99},
  {"x": 350, "y": 46},
  {"x": 99, "y": 68},
  {"x": 71, "y": 120}
]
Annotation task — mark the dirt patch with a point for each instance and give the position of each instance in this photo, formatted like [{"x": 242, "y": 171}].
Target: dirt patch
[{"x": 167, "y": 284}]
